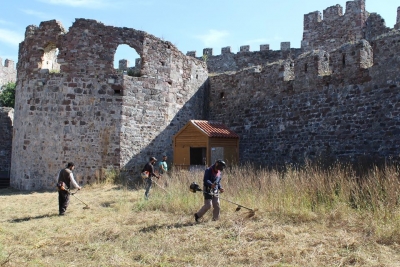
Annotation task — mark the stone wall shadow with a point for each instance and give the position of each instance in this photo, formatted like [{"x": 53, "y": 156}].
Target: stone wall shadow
[{"x": 130, "y": 172}]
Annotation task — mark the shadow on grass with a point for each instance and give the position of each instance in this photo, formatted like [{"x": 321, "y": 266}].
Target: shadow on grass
[
  {"x": 13, "y": 192},
  {"x": 25, "y": 219},
  {"x": 154, "y": 228}
]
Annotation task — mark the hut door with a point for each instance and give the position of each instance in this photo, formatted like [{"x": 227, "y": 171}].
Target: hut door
[
  {"x": 198, "y": 155},
  {"x": 217, "y": 153}
]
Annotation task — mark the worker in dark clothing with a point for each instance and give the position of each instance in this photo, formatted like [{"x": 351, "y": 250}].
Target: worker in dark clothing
[
  {"x": 149, "y": 169},
  {"x": 212, "y": 185},
  {"x": 65, "y": 179}
]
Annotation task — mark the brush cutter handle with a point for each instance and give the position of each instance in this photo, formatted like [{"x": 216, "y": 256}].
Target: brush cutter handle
[
  {"x": 194, "y": 187},
  {"x": 217, "y": 195},
  {"x": 73, "y": 193}
]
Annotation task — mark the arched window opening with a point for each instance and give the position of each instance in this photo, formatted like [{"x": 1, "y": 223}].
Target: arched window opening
[
  {"x": 305, "y": 67},
  {"x": 344, "y": 60},
  {"x": 49, "y": 58},
  {"x": 127, "y": 61}
]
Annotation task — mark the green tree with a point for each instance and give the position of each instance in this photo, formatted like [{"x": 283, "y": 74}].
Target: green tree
[{"x": 7, "y": 96}]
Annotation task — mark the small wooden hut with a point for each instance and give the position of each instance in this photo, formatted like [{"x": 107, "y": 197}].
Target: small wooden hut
[{"x": 200, "y": 143}]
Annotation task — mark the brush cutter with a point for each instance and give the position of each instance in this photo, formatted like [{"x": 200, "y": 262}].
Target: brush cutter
[
  {"x": 73, "y": 194},
  {"x": 159, "y": 186},
  {"x": 194, "y": 187}
]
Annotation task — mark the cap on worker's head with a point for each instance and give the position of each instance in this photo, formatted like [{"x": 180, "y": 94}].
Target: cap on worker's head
[
  {"x": 70, "y": 164},
  {"x": 153, "y": 158}
]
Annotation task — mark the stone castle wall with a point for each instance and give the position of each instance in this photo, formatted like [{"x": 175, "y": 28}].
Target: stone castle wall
[
  {"x": 335, "y": 28},
  {"x": 328, "y": 32},
  {"x": 336, "y": 97},
  {"x": 344, "y": 104},
  {"x": 71, "y": 105},
  {"x": 228, "y": 61},
  {"x": 8, "y": 73},
  {"x": 6, "y": 133}
]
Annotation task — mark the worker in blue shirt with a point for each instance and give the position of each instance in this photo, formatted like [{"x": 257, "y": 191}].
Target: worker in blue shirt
[{"x": 211, "y": 187}]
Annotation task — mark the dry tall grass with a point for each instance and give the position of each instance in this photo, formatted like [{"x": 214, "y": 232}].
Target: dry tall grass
[{"x": 306, "y": 217}]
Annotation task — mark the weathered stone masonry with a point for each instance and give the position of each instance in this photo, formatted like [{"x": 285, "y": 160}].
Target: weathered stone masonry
[
  {"x": 6, "y": 129},
  {"x": 7, "y": 72},
  {"x": 72, "y": 105},
  {"x": 228, "y": 61},
  {"x": 336, "y": 97},
  {"x": 339, "y": 103}
]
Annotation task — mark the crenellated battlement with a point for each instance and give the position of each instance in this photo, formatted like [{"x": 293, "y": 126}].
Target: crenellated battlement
[
  {"x": 8, "y": 72},
  {"x": 342, "y": 65},
  {"x": 397, "y": 25},
  {"x": 311, "y": 19},
  {"x": 9, "y": 64},
  {"x": 356, "y": 7},
  {"x": 244, "y": 48},
  {"x": 229, "y": 61},
  {"x": 335, "y": 28},
  {"x": 333, "y": 12},
  {"x": 226, "y": 50},
  {"x": 398, "y": 15},
  {"x": 375, "y": 26}
]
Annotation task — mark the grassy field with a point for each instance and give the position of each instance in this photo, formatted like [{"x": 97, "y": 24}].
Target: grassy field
[{"x": 308, "y": 217}]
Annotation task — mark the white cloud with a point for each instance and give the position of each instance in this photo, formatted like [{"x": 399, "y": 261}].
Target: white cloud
[
  {"x": 213, "y": 38},
  {"x": 37, "y": 14},
  {"x": 79, "y": 3},
  {"x": 258, "y": 41},
  {"x": 5, "y": 22},
  {"x": 10, "y": 37}
]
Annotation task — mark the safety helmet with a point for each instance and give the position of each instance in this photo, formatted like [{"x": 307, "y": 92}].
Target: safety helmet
[{"x": 221, "y": 162}]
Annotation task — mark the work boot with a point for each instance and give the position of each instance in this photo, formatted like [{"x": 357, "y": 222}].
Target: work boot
[{"x": 196, "y": 217}]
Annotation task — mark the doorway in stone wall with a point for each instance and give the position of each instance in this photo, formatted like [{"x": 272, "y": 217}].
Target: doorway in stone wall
[
  {"x": 198, "y": 156},
  {"x": 127, "y": 60}
]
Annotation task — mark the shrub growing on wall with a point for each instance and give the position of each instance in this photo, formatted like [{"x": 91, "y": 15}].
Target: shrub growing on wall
[{"x": 7, "y": 96}]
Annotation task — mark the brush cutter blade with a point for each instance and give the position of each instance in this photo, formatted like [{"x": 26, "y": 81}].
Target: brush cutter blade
[
  {"x": 251, "y": 213},
  {"x": 238, "y": 208},
  {"x": 86, "y": 207}
]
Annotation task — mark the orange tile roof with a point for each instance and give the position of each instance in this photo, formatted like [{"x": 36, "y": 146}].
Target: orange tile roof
[{"x": 214, "y": 129}]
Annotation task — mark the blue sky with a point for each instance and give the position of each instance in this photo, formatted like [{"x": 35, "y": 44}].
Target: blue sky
[{"x": 190, "y": 25}]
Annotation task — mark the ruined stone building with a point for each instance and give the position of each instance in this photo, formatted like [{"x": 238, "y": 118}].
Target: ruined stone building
[
  {"x": 71, "y": 105},
  {"x": 8, "y": 73},
  {"x": 338, "y": 96}
]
